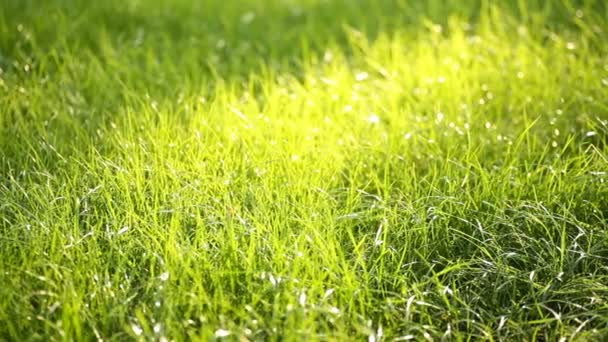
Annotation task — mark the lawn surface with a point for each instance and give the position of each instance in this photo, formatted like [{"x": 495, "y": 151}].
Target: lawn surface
[{"x": 303, "y": 169}]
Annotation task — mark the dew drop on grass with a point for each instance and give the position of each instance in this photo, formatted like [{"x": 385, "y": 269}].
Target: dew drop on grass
[
  {"x": 440, "y": 117},
  {"x": 503, "y": 320},
  {"x": 274, "y": 281},
  {"x": 361, "y": 76},
  {"x": 222, "y": 333},
  {"x": 373, "y": 119},
  {"x": 164, "y": 276},
  {"x": 137, "y": 330}
]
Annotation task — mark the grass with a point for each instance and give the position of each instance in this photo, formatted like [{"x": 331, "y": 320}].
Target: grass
[{"x": 303, "y": 169}]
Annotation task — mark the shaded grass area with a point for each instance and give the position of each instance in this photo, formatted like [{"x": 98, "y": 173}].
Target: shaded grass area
[{"x": 303, "y": 169}]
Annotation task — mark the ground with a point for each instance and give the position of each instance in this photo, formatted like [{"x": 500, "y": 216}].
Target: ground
[{"x": 303, "y": 170}]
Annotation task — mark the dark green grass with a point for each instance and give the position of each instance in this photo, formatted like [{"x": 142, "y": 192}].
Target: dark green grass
[{"x": 312, "y": 170}]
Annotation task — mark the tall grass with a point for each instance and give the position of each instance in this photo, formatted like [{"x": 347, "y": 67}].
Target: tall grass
[{"x": 312, "y": 169}]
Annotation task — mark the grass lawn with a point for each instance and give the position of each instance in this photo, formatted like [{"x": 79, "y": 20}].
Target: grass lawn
[{"x": 303, "y": 170}]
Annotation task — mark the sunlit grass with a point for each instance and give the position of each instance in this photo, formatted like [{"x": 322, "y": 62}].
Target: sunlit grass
[{"x": 303, "y": 170}]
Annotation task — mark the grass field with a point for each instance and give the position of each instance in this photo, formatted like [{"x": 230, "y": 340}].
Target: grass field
[{"x": 303, "y": 170}]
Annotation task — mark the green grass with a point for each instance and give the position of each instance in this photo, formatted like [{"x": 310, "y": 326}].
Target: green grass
[{"x": 303, "y": 170}]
